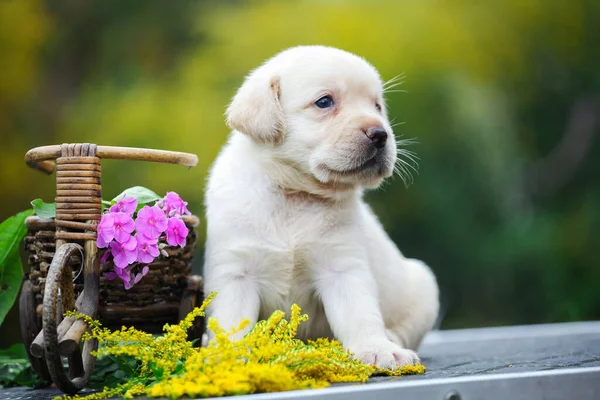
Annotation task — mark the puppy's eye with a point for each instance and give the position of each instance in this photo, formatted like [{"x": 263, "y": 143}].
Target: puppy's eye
[
  {"x": 324, "y": 102},
  {"x": 378, "y": 107}
]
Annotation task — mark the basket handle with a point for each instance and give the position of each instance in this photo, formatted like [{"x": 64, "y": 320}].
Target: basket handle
[{"x": 41, "y": 158}]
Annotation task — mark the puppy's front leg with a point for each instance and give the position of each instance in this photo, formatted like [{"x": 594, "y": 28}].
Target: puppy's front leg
[
  {"x": 349, "y": 296},
  {"x": 237, "y": 299}
]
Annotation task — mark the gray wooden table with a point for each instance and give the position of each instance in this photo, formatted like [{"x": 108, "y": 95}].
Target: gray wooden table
[{"x": 558, "y": 361}]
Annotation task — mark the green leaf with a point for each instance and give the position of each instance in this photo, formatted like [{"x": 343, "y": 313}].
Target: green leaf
[
  {"x": 44, "y": 210},
  {"x": 12, "y": 232},
  {"x": 15, "y": 368},
  {"x": 27, "y": 376},
  {"x": 106, "y": 204},
  {"x": 15, "y": 352},
  {"x": 140, "y": 193},
  {"x": 158, "y": 373},
  {"x": 103, "y": 373},
  {"x": 111, "y": 371}
]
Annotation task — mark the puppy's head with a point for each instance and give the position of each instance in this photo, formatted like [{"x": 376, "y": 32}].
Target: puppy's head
[{"x": 320, "y": 110}]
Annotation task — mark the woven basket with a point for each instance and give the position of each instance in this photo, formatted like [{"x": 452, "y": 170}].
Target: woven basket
[{"x": 154, "y": 301}]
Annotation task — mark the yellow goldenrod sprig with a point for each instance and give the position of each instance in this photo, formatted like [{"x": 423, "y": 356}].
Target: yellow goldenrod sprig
[{"x": 269, "y": 358}]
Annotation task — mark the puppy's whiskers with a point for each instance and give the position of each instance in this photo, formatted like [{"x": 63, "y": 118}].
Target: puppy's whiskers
[
  {"x": 398, "y": 78},
  {"x": 388, "y": 87},
  {"x": 405, "y": 142},
  {"x": 395, "y": 91},
  {"x": 406, "y": 161},
  {"x": 393, "y": 125}
]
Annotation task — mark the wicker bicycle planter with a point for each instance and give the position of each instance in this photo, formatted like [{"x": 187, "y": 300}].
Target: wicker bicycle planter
[{"x": 59, "y": 280}]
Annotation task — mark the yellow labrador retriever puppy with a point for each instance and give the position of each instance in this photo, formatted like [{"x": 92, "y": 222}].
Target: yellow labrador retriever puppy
[{"x": 286, "y": 219}]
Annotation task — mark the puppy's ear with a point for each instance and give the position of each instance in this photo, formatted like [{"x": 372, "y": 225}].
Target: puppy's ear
[{"x": 255, "y": 109}]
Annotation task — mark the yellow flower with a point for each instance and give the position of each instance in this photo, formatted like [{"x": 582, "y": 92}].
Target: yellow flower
[{"x": 267, "y": 359}]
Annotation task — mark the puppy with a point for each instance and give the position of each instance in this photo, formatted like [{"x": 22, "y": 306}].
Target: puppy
[{"x": 286, "y": 219}]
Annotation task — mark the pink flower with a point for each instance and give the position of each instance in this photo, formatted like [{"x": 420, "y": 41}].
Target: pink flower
[
  {"x": 176, "y": 232},
  {"x": 147, "y": 249},
  {"x": 111, "y": 276},
  {"x": 124, "y": 253},
  {"x": 140, "y": 275},
  {"x": 151, "y": 222},
  {"x": 125, "y": 275},
  {"x": 126, "y": 205},
  {"x": 106, "y": 230},
  {"x": 105, "y": 256},
  {"x": 174, "y": 205},
  {"x": 124, "y": 225}
]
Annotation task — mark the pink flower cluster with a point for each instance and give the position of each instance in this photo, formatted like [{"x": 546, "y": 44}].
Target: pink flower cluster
[{"x": 134, "y": 241}]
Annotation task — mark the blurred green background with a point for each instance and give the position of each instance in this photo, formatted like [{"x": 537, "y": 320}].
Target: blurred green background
[{"x": 503, "y": 98}]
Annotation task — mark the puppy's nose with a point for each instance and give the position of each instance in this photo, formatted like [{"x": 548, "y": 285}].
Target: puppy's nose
[{"x": 378, "y": 136}]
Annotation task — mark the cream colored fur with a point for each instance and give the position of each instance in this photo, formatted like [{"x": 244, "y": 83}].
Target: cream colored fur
[{"x": 286, "y": 219}]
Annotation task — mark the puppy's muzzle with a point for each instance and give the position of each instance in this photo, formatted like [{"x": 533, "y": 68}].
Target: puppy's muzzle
[{"x": 377, "y": 135}]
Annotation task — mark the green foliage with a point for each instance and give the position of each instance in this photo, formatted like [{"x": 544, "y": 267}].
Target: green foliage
[
  {"x": 44, "y": 210},
  {"x": 112, "y": 371},
  {"x": 12, "y": 231},
  {"x": 106, "y": 204},
  {"x": 140, "y": 193},
  {"x": 15, "y": 369}
]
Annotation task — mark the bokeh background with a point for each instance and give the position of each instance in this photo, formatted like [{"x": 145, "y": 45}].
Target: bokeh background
[{"x": 503, "y": 98}]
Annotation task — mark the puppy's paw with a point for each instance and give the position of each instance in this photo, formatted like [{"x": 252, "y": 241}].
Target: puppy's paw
[{"x": 384, "y": 354}]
